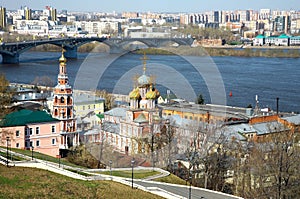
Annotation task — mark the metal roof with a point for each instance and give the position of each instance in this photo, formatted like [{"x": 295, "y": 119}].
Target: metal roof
[
  {"x": 117, "y": 112},
  {"x": 23, "y": 117},
  {"x": 293, "y": 119}
]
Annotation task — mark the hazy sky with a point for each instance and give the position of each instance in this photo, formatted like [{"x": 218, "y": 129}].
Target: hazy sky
[{"x": 153, "y": 5}]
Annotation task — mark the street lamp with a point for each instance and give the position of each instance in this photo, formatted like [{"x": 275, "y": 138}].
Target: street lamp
[
  {"x": 169, "y": 143},
  {"x": 7, "y": 140},
  {"x": 110, "y": 162},
  {"x": 190, "y": 188},
  {"x": 132, "y": 165},
  {"x": 32, "y": 152},
  {"x": 59, "y": 159}
]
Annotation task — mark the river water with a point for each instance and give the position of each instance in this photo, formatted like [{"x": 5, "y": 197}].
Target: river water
[{"x": 244, "y": 77}]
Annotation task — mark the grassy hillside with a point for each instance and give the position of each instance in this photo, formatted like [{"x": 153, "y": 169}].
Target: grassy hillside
[
  {"x": 172, "y": 179},
  {"x": 18, "y": 182}
]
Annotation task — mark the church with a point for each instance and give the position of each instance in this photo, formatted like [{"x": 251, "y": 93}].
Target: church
[{"x": 125, "y": 127}]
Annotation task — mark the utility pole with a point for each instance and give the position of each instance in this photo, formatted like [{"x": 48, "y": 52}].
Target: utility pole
[{"x": 132, "y": 165}]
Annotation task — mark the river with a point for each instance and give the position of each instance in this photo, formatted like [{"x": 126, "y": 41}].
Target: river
[{"x": 244, "y": 77}]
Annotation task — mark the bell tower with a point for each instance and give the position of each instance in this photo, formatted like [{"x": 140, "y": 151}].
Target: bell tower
[{"x": 63, "y": 106}]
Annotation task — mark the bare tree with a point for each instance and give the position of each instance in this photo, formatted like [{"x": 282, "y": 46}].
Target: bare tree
[
  {"x": 109, "y": 99},
  {"x": 271, "y": 168},
  {"x": 43, "y": 81},
  {"x": 6, "y": 94}
]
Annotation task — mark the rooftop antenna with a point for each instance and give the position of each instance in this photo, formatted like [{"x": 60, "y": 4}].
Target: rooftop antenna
[{"x": 256, "y": 110}]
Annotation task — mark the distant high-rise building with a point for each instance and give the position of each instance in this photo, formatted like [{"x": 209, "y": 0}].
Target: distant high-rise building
[
  {"x": 264, "y": 14},
  {"x": 282, "y": 24},
  {"x": 217, "y": 17},
  {"x": 53, "y": 14},
  {"x": 27, "y": 13},
  {"x": 244, "y": 15},
  {"x": 2, "y": 17}
]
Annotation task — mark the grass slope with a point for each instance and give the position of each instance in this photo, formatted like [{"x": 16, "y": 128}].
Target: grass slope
[
  {"x": 172, "y": 179},
  {"x": 19, "y": 182}
]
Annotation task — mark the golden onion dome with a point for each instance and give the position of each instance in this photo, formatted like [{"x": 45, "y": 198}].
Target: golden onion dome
[
  {"x": 62, "y": 59},
  {"x": 135, "y": 94},
  {"x": 152, "y": 93}
]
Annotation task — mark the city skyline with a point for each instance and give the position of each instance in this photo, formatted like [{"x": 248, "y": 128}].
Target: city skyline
[{"x": 152, "y": 6}]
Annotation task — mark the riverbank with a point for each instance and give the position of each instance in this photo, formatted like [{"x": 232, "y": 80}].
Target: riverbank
[{"x": 225, "y": 51}]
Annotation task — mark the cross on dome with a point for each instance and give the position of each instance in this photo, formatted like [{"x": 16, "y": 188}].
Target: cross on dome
[
  {"x": 62, "y": 58},
  {"x": 144, "y": 58}
]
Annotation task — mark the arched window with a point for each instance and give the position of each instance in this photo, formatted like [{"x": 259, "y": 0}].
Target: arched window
[
  {"x": 69, "y": 100},
  {"x": 62, "y": 100},
  {"x": 55, "y": 99},
  {"x": 68, "y": 112},
  {"x": 55, "y": 112}
]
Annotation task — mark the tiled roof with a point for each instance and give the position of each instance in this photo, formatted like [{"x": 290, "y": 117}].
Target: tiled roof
[{"x": 23, "y": 117}]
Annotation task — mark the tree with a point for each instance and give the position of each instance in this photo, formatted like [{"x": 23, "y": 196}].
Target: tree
[
  {"x": 278, "y": 175},
  {"x": 43, "y": 81},
  {"x": 200, "y": 99},
  {"x": 6, "y": 94},
  {"x": 109, "y": 99},
  {"x": 166, "y": 138},
  {"x": 202, "y": 154},
  {"x": 270, "y": 168}
]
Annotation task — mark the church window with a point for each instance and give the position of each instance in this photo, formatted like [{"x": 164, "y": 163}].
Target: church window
[
  {"x": 62, "y": 100},
  {"x": 68, "y": 100}
]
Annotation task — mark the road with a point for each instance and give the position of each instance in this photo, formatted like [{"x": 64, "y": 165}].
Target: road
[{"x": 196, "y": 193}]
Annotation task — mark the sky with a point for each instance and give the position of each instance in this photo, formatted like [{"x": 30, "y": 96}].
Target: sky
[{"x": 152, "y": 5}]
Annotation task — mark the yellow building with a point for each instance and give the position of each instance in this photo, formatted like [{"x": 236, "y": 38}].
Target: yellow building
[
  {"x": 82, "y": 108},
  {"x": 206, "y": 113}
]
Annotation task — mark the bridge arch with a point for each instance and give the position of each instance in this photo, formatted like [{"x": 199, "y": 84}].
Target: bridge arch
[{"x": 11, "y": 51}]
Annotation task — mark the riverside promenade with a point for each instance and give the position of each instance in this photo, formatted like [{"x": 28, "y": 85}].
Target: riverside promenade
[{"x": 166, "y": 190}]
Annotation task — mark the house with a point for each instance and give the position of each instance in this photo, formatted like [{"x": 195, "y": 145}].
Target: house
[
  {"x": 85, "y": 102},
  {"x": 27, "y": 129},
  {"x": 259, "y": 40}
]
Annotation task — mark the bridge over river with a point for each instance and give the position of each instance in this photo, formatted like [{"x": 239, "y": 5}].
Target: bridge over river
[{"x": 11, "y": 51}]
